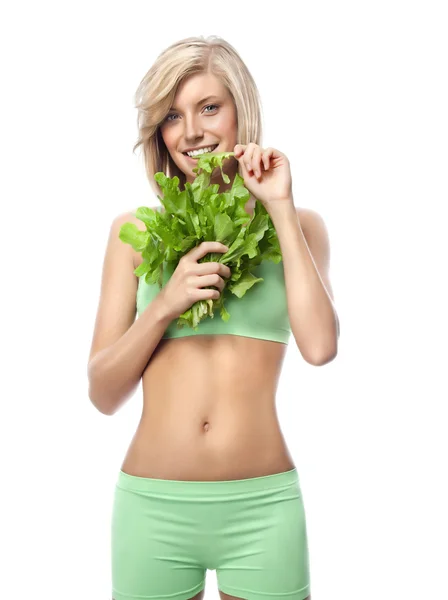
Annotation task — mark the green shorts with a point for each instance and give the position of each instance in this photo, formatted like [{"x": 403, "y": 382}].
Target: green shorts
[{"x": 166, "y": 533}]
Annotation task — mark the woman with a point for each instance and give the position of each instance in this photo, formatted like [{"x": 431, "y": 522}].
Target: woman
[{"x": 208, "y": 482}]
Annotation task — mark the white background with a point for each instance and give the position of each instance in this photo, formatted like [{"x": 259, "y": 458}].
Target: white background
[{"x": 355, "y": 94}]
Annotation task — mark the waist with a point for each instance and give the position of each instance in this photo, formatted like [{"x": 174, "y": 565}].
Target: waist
[
  {"x": 220, "y": 444},
  {"x": 204, "y": 491}
]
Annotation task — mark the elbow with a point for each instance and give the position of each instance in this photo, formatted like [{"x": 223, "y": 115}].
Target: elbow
[
  {"x": 106, "y": 394},
  {"x": 103, "y": 406},
  {"x": 98, "y": 396},
  {"x": 106, "y": 402},
  {"x": 326, "y": 352},
  {"x": 322, "y": 358},
  {"x": 319, "y": 349}
]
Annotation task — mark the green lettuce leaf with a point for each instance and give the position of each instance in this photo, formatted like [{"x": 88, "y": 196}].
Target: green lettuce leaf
[{"x": 201, "y": 213}]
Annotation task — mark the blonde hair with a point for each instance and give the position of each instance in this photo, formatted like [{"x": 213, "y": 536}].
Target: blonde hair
[{"x": 156, "y": 91}]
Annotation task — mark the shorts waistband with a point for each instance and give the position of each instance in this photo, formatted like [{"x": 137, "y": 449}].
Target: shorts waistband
[{"x": 222, "y": 487}]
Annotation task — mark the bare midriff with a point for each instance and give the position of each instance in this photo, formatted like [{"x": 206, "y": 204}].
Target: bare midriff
[{"x": 209, "y": 411}]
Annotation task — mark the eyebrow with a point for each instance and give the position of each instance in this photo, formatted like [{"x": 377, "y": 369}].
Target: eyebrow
[{"x": 200, "y": 101}]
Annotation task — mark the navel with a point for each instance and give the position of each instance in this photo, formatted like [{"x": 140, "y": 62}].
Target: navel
[{"x": 206, "y": 426}]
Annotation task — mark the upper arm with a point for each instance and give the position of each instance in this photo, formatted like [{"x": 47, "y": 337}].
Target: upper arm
[
  {"x": 117, "y": 304},
  {"x": 317, "y": 239}
]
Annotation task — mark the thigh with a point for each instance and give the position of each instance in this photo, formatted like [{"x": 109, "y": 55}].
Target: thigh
[
  {"x": 269, "y": 550},
  {"x": 150, "y": 551}
]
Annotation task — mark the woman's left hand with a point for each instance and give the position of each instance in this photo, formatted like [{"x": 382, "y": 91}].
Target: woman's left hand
[{"x": 266, "y": 174}]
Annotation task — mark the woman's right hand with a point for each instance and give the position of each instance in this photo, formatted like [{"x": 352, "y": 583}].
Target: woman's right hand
[{"x": 184, "y": 287}]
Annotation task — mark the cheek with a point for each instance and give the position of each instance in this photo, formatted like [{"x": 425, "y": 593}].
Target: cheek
[
  {"x": 166, "y": 137},
  {"x": 170, "y": 144},
  {"x": 225, "y": 125}
]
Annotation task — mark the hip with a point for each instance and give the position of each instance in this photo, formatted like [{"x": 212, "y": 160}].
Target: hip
[{"x": 167, "y": 533}]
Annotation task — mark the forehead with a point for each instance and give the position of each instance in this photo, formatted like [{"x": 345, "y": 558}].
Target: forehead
[{"x": 198, "y": 86}]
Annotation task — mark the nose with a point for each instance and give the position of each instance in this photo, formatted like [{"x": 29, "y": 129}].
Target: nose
[{"x": 193, "y": 131}]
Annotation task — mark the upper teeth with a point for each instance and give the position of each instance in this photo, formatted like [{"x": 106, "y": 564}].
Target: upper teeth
[{"x": 201, "y": 151}]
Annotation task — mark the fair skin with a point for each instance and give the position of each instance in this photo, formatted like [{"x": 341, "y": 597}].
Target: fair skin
[{"x": 191, "y": 125}]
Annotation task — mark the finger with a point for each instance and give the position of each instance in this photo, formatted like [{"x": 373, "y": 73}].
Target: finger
[
  {"x": 256, "y": 159},
  {"x": 248, "y": 154},
  {"x": 239, "y": 149},
  {"x": 266, "y": 157},
  {"x": 204, "y": 248},
  {"x": 212, "y": 279},
  {"x": 207, "y": 268}
]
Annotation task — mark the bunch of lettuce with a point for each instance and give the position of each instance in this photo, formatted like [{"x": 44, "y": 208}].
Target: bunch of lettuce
[{"x": 201, "y": 213}]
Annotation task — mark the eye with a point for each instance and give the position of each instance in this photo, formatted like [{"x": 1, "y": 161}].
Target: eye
[
  {"x": 215, "y": 105},
  {"x": 168, "y": 118}
]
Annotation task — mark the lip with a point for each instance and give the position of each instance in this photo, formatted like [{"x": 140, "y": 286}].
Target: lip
[{"x": 195, "y": 159}]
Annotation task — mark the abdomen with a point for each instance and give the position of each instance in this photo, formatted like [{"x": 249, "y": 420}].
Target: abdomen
[{"x": 209, "y": 411}]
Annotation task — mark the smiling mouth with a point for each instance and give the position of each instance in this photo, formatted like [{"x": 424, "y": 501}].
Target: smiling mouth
[{"x": 213, "y": 149}]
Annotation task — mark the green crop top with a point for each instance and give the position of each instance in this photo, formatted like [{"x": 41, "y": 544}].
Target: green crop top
[{"x": 261, "y": 313}]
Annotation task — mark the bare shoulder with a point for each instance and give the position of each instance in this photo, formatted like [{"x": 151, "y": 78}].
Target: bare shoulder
[
  {"x": 307, "y": 215},
  {"x": 129, "y": 217},
  {"x": 313, "y": 225}
]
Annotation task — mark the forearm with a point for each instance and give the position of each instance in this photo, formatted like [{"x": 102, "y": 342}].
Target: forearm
[
  {"x": 115, "y": 372},
  {"x": 311, "y": 312}
]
